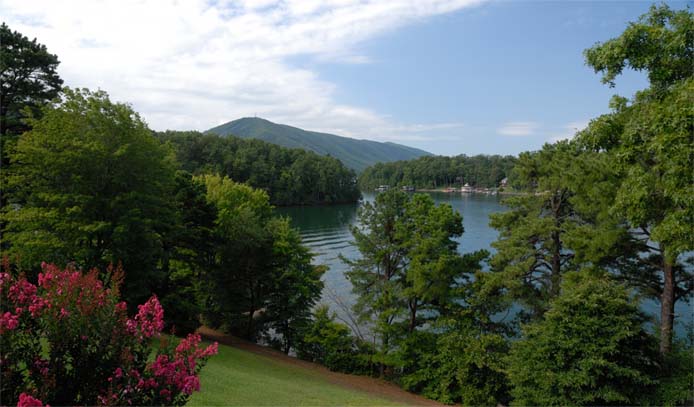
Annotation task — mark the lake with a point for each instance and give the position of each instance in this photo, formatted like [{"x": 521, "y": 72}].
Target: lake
[{"x": 325, "y": 230}]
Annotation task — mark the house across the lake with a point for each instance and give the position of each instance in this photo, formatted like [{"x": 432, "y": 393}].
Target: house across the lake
[{"x": 466, "y": 188}]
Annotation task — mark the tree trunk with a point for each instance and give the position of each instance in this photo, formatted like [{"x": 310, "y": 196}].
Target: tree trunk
[
  {"x": 555, "y": 278},
  {"x": 413, "y": 315},
  {"x": 667, "y": 307}
]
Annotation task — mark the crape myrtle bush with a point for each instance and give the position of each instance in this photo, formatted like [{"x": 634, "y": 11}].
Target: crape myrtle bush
[{"x": 69, "y": 341}]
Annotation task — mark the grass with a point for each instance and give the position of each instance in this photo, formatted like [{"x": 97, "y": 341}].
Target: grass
[{"x": 239, "y": 378}]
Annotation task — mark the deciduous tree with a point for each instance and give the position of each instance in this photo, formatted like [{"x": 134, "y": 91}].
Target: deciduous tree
[
  {"x": 90, "y": 185},
  {"x": 649, "y": 139}
]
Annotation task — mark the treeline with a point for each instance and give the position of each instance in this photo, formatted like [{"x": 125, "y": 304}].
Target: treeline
[
  {"x": 556, "y": 320},
  {"x": 484, "y": 171},
  {"x": 289, "y": 176}
]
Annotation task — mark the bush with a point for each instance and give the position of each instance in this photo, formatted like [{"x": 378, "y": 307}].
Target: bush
[
  {"x": 590, "y": 349},
  {"x": 676, "y": 378},
  {"x": 331, "y": 344},
  {"x": 459, "y": 366},
  {"x": 69, "y": 341}
]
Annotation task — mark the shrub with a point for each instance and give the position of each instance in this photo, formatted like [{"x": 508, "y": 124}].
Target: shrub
[
  {"x": 331, "y": 344},
  {"x": 590, "y": 348},
  {"x": 69, "y": 341},
  {"x": 461, "y": 366}
]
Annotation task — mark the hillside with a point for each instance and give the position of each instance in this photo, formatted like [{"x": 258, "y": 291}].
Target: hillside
[
  {"x": 247, "y": 374},
  {"x": 355, "y": 154}
]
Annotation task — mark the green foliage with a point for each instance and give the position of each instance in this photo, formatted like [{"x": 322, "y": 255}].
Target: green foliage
[
  {"x": 297, "y": 285},
  {"x": 460, "y": 366},
  {"x": 354, "y": 154},
  {"x": 649, "y": 140},
  {"x": 188, "y": 255},
  {"x": 90, "y": 184},
  {"x": 531, "y": 254},
  {"x": 28, "y": 79},
  {"x": 409, "y": 272},
  {"x": 376, "y": 277},
  {"x": 290, "y": 177},
  {"x": 261, "y": 276},
  {"x": 332, "y": 344},
  {"x": 590, "y": 348},
  {"x": 676, "y": 377},
  {"x": 439, "y": 171},
  {"x": 660, "y": 43}
]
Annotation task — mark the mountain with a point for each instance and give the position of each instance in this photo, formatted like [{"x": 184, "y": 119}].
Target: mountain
[{"x": 355, "y": 154}]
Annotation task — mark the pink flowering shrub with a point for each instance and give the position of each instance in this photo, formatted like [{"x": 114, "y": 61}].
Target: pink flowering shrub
[{"x": 69, "y": 341}]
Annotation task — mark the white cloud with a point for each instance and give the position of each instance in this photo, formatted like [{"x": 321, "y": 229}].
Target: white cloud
[
  {"x": 197, "y": 63},
  {"x": 569, "y": 130},
  {"x": 518, "y": 129}
]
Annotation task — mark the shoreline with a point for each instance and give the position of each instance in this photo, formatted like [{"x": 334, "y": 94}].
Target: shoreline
[{"x": 457, "y": 191}]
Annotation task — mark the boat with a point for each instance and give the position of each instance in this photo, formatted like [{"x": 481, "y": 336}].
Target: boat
[{"x": 466, "y": 188}]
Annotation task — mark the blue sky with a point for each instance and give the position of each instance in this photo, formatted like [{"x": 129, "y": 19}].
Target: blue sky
[
  {"x": 485, "y": 67},
  {"x": 448, "y": 76}
]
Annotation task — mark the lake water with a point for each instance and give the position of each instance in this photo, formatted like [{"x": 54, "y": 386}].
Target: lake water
[{"x": 325, "y": 230}]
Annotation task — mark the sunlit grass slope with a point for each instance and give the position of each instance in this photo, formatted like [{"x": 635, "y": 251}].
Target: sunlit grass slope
[{"x": 239, "y": 378}]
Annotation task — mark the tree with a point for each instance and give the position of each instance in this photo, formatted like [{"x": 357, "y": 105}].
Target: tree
[
  {"x": 409, "y": 271},
  {"x": 242, "y": 275},
  {"x": 262, "y": 276},
  {"x": 297, "y": 285},
  {"x": 531, "y": 253},
  {"x": 589, "y": 349},
  {"x": 188, "y": 255},
  {"x": 650, "y": 141},
  {"x": 433, "y": 263},
  {"x": 660, "y": 43},
  {"x": 376, "y": 276},
  {"x": 28, "y": 78},
  {"x": 90, "y": 185}
]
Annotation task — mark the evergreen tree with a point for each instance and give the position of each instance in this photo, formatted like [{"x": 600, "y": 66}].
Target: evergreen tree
[
  {"x": 589, "y": 349},
  {"x": 409, "y": 272},
  {"x": 28, "y": 79}
]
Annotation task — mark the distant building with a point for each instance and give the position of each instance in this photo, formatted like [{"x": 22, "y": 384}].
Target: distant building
[
  {"x": 466, "y": 188},
  {"x": 382, "y": 188},
  {"x": 408, "y": 188},
  {"x": 503, "y": 183}
]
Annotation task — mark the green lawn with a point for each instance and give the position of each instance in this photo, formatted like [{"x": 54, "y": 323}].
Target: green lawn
[{"x": 238, "y": 378}]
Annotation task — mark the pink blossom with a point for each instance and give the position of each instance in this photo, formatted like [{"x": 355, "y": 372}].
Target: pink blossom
[
  {"x": 190, "y": 384},
  {"x": 4, "y": 277},
  {"x": 22, "y": 292},
  {"x": 8, "y": 321},
  {"x": 26, "y": 400},
  {"x": 150, "y": 317}
]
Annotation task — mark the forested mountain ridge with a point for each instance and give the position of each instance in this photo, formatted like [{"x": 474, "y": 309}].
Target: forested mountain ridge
[
  {"x": 289, "y": 176},
  {"x": 355, "y": 154}
]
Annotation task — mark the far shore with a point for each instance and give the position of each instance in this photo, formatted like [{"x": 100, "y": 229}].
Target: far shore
[{"x": 457, "y": 191}]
